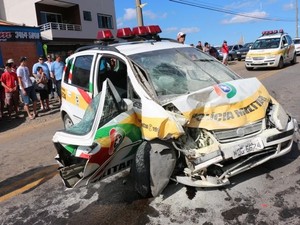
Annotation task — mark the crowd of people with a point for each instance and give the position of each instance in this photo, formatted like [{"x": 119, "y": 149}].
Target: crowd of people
[
  {"x": 20, "y": 87},
  {"x": 207, "y": 48}
]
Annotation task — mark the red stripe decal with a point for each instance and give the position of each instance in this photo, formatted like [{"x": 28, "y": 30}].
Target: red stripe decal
[{"x": 85, "y": 95}]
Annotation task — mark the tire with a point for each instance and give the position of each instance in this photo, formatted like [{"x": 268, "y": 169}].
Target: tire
[
  {"x": 294, "y": 60},
  {"x": 280, "y": 64},
  {"x": 249, "y": 68},
  {"x": 239, "y": 59},
  {"x": 152, "y": 168},
  {"x": 67, "y": 121},
  {"x": 141, "y": 170},
  {"x": 230, "y": 58}
]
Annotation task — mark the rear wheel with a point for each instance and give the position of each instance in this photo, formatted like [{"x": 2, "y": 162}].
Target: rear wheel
[
  {"x": 67, "y": 121},
  {"x": 280, "y": 64}
]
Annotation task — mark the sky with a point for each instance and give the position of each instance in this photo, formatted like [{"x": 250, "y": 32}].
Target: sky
[{"x": 212, "y": 22}]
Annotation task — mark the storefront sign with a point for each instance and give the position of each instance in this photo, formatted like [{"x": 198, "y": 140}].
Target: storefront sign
[{"x": 18, "y": 34}]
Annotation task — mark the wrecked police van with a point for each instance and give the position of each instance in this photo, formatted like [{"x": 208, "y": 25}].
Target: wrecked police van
[{"x": 167, "y": 111}]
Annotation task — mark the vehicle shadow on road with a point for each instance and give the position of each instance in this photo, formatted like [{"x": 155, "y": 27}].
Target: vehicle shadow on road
[
  {"x": 7, "y": 124},
  {"x": 118, "y": 203}
]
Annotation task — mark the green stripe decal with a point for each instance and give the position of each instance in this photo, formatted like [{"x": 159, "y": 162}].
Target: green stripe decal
[{"x": 131, "y": 131}]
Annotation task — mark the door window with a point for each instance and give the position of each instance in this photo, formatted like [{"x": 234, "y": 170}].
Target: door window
[
  {"x": 81, "y": 71},
  {"x": 284, "y": 41},
  {"x": 110, "y": 109},
  {"x": 114, "y": 69},
  {"x": 68, "y": 73}
]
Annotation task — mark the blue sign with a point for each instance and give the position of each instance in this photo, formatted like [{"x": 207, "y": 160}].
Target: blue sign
[{"x": 19, "y": 33}]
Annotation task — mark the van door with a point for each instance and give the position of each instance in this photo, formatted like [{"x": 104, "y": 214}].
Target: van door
[
  {"x": 77, "y": 90},
  {"x": 285, "y": 46},
  {"x": 291, "y": 47},
  {"x": 106, "y": 138}
]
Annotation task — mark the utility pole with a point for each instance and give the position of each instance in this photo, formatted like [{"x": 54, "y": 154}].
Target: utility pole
[
  {"x": 297, "y": 26},
  {"x": 139, "y": 13}
]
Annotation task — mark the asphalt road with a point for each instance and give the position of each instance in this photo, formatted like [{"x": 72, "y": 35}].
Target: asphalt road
[{"x": 31, "y": 191}]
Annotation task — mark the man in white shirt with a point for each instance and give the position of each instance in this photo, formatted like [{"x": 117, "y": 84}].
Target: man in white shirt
[{"x": 26, "y": 87}]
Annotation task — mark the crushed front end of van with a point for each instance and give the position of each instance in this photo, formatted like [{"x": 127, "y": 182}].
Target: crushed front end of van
[{"x": 183, "y": 116}]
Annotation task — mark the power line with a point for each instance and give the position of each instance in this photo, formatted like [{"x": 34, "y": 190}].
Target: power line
[{"x": 208, "y": 7}]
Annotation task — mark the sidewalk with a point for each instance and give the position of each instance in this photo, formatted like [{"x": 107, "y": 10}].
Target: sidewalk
[{"x": 23, "y": 120}]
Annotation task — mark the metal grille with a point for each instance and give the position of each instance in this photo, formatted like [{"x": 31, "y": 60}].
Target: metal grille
[{"x": 237, "y": 133}]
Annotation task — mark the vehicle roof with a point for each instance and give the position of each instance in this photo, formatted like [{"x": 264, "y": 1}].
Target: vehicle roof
[
  {"x": 147, "y": 46},
  {"x": 130, "y": 48}
]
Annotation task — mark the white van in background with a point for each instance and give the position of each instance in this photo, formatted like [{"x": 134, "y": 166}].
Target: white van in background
[{"x": 273, "y": 49}]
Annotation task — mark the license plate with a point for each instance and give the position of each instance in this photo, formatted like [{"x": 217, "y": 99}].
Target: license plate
[
  {"x": 258, "y": 62},
  {"x": 247, "y": 147}
]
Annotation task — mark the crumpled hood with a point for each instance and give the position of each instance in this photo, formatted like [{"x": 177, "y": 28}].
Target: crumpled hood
[
  {"x": 222, "y": 106},
  {"x": 225, "y": 106}
]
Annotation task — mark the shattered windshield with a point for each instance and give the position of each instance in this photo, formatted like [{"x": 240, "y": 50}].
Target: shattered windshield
[
  {"x": 85, "y": 125},
  {"x": 179, "y": 71}
]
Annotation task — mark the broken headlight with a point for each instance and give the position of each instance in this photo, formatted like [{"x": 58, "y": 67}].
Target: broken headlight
[{"x": 278, "y": 116}]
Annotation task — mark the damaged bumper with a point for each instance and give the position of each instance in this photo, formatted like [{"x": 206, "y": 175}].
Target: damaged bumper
[{"x": 235, "y": 157}]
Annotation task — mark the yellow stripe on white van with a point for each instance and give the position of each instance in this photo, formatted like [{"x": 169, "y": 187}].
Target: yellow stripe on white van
[
  {"x": 162, "y": 128},
  {"x": 266, "y": 53},
  {"x": 233, "y": 115},
  {"x": 157, "y": 122},
  {"x": 74, "y": 98}
]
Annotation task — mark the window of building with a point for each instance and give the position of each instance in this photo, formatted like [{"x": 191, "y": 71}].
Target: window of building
[
  {"x": 47, "y": 17},
  {"x": 87, "y": 15},
  {"x": 105, "y": 21},
  {"x": 81, "y": 71}
]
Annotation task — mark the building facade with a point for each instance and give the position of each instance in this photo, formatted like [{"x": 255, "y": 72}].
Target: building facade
[
  {"x": 17, "y": 41},
  {"x": 64, "y": 25}
]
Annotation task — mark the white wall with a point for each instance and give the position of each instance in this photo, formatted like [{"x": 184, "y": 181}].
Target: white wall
[
  {"x": 90, "y": 28},
  {"x": 23, "y": 12}
]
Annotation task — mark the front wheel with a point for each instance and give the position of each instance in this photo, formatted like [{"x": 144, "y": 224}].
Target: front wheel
[
  {"x": 294, "y": 60},
  {"x": 249, "y": 68},
  {"x": 141, "y": 170},
  {"x": 67, "y": 121},
  {"x": 280, "y": 64},
  {"x": 153, "y": 166}
]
